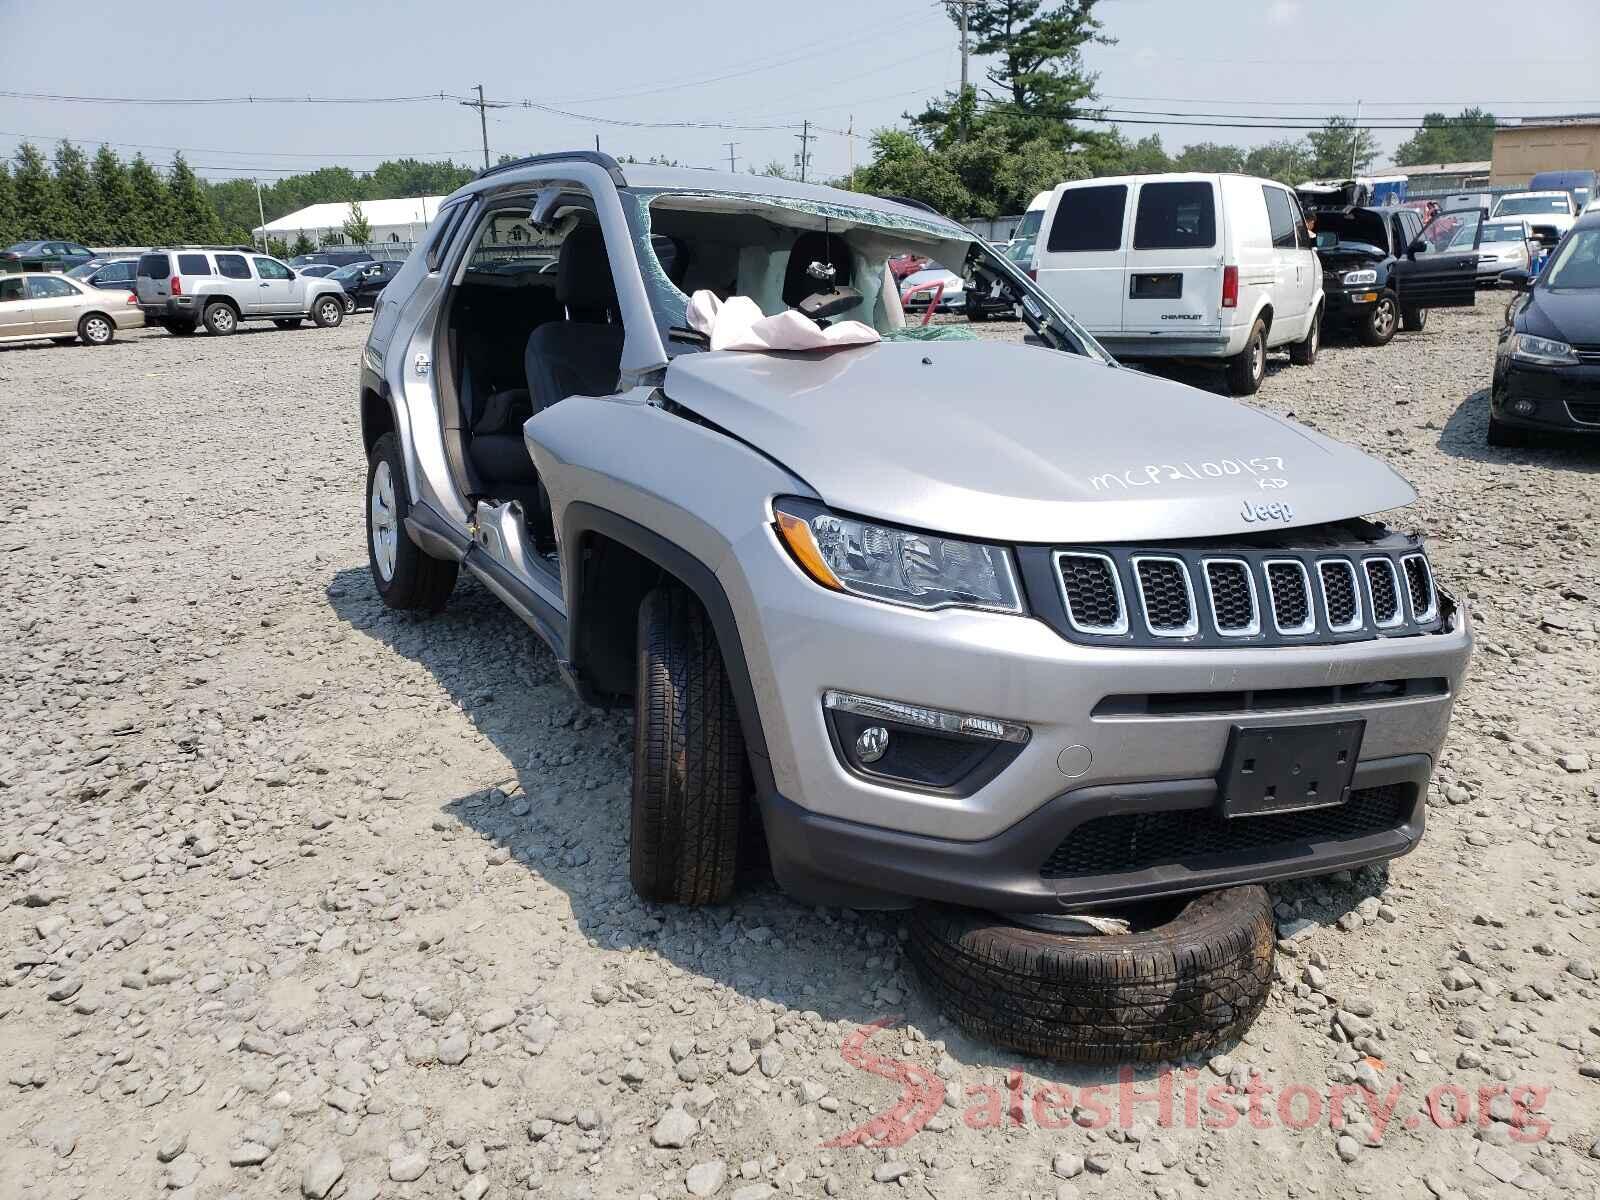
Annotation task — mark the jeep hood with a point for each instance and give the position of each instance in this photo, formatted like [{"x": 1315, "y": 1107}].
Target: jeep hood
[{"x": 1016, "y": 443}]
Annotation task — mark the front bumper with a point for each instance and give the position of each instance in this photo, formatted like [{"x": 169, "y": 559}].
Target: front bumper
[
  {"x": 1565, "y": 399},
  {"x": 1344, "y": 305},
  {"x": 835, "y": 835}
]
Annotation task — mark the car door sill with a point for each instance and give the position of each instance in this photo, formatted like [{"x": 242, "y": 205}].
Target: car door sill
[{"x": 523, "y": 600}]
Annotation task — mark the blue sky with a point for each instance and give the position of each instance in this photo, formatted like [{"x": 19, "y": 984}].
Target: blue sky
[{"x": 842, "y": 65}]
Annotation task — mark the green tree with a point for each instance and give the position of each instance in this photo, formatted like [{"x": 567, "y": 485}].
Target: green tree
[
  {"x": 302, "y": 245},
  {"x": 278, "y": 248},
  {"x": 192, "y": 214},
  {"x": 902, "y": 166},
  {"x": 79, "y": 200},
  {"x": 119, "y": 217},
  {"x": 1466, "y": 137},
  {"x": 773, "y": 170},
  {"x": 1339, "y": 149},
  {"x": 38, "y": 205},
  {"x": 9, "y": 228},
  {"x": 152, "y": 208},
  {"x": 1209, "y": 156},
  {"x": 1286, "y": 160},
  {"x": 356, "y": 226},
  {"x": 235, "y": 202}
]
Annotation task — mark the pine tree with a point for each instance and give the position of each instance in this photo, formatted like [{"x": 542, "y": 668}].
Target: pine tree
[
  {"x": 195, "y": 219},
  {"x": 39, "y": 212},
  {"x": 119, "y": 215},
  {"x": 79, "y": 200},
  {"x": 10, "y": 231},
  {"x": 302, "y": 245},
  {"x": 356, "y": 226},
  {"x": 151, "y": 213}
]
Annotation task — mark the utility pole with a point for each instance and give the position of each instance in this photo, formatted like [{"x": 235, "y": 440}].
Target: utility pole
[
  {"x": 731, "y": 157},
  {"x": 1355, "y": 138},
  {"x": 262, "y": 212},
  {"x": 803, "y": 159},
  {"x": 483, "y": 106},
  {"x": 963, "y": 5},
  {"x": 850, "y": 137}
]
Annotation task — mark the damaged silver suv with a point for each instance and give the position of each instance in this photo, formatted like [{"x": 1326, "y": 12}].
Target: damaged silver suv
[{"x": 997, "y": 624}]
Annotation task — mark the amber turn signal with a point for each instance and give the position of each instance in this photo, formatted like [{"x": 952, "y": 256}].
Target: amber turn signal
[{"x": 796, "y": 535}]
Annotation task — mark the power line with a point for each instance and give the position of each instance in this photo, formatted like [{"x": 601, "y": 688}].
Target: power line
[
  {"x": 50, "y": 137},
  {"x": 192, "y": 101}
]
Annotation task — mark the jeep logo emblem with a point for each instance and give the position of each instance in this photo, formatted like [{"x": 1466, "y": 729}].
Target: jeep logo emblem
[{"x": 1278, "y": 510}]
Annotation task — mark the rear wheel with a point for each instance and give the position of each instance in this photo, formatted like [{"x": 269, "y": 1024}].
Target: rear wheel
[
  {"x": 1248, "y": 368},
  {"x": 96, "y": 329},
  {"x": 406, "y": 577},
  {"x": 1413, "y": 320},
  {"x": 64, "y": 341},
  {"x": 1382, "y": 319},
  {"x": 288, "y": 323},
  {"x": 1304, "y": 352},
  {"x": 328, "y": 312},
  {"x": 349, "y": 305},
  {"x": 689, "y": 766},
  {"x": 178, "y": 328},
  {"x": 220, "y": 319},
  {"x": 1193, "y": 978}
]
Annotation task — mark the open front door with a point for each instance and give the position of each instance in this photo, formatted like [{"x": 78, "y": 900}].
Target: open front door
[{"x": 1440, "y": 269}]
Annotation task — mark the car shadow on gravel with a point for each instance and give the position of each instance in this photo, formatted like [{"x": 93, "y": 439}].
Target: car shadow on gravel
[
  {"x": 560, "y": 812},
  {"x": 1465, "y": 435}
]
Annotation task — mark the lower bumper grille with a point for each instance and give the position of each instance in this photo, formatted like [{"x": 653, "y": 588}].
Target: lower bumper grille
[{"x": 1188, "y": 837}]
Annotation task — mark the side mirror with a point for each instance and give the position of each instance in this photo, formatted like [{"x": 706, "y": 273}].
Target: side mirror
[
  {"x": 1418, "y": 246},
  {"x": 1517, "y": 278}
]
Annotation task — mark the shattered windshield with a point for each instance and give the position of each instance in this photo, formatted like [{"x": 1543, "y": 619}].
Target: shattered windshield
[{"x": 780, "y": 251}]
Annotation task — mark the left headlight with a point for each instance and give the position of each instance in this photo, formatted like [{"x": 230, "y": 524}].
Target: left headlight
[
  {"x": 901, "y": 566},
  {"x": 1543, "y": 350},
  {"x": 1359, "y": 278}
]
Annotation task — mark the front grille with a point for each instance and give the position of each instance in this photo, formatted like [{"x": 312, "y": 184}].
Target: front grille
[
  {"x": 1191, "y": 837},
  {"x": 1419, "y": 583},
  {"x": 1589, "y": 354},
  {"x": 1233, "y": 597},
  {"x": 1164, "y": 593},
  {"x": 1385, "y": 589},
  {"x": 1291, "y": 598},
  {"x": 1092, "y": 591},
  {"x": 1586, "y": 412},
  {"x": 1339, "y": 595}
]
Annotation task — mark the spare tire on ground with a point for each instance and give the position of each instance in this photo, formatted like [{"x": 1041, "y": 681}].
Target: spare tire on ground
[{"x": 1196, "y": 977}]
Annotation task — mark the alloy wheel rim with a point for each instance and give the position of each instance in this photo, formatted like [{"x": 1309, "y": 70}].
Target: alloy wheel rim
[
  {"x": 223, "y": 320},
  {"x": 385, "y": 524},
  {"x": 1258, "y": 358},
  {"x": 330, "y": 310},
  {"x": 350, "y": 304},
  {"x": 97, "y": 330},
  {"x": 1385, "y": 317}
]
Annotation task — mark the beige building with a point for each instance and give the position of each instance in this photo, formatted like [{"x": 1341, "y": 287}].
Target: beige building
[{"x": 1570, "y": 143}]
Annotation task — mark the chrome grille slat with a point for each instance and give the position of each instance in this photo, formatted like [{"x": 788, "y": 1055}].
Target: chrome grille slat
[
  {"x": 1092, "y": 591},
  {"x": 1231, "y": 594},
  {"x": 1289, "y": 590},
  {"x": 1383, "y": 585},
  {"x": 1419, "y": 587},
  {"x": 1341, "y": 597},
  {"x": 1166, "y": 597}
]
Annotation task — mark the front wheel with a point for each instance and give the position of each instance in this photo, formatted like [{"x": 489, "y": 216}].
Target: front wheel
[
  {"x": 1304, "y": 352},
  {"x": 1507, "y": 436},
  {"x": 328, "y": 312},
  {"x": 1413, "y": 320},
  {"x": 349, "y": 305},
  {"x": 405, "y": 576},
  {"x": 96, "y": 329},
  {"x": 689, "y": 766},
  {"x": 1382, "y": 319},
  {"x": 1248, "y": 368}
]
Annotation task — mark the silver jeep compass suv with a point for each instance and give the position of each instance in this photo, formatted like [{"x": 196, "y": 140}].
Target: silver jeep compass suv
[{"x": 997, "y": 623}]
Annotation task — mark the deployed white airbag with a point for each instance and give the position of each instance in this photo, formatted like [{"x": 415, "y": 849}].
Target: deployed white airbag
[{"x": 739, "y": 324}]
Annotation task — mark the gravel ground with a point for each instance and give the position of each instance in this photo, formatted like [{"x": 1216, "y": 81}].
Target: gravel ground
[{"x": 302, "y": 897}]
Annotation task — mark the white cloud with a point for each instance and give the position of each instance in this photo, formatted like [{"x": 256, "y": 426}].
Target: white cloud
[{"x": 1283, "y": 12}]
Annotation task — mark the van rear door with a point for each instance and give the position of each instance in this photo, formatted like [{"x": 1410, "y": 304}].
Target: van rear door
[
  {"x": 1174, "y": 266},
  {"x": 1080, "y": 255},
  {"x": 151, "y": 282}
]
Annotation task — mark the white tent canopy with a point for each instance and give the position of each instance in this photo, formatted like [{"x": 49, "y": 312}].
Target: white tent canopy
[{"x": 402, "y": 220}]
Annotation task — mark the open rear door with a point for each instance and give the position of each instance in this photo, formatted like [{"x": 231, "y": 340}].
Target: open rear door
[{"x": 1440, "y": 268}]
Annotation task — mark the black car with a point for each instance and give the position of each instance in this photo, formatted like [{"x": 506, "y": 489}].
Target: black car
[
  {"x": 44, "y": 256},
  {"x": 335, "y": 258},
  {"x": 113, "y": 274},
  {"x": 1383, "y": 269},
  {"x": 1547, "y": 368},
  {"x": 363, "y": 281}
]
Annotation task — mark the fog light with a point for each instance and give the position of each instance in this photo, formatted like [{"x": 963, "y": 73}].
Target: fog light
[
  {"x": 934, "y": 719},
  {"x": 1523, "y": 408},
  {"x": 872, "y": 742}
]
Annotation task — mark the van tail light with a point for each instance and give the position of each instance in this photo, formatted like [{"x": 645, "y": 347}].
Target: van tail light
[
  {"x": 1230, "y": 287},
  {"x": 1033, "y": 274},
  {"x": 176, "y": 286}
]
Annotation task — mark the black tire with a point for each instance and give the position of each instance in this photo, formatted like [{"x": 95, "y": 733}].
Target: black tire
[
  {"x": 220, "y": 319},
  {"x": 178, "y": 328},
  {"x": 406, "y": 578},
  {"x": 349, "y": 305},
  {"x": 1304, "y": 352},
  {"x": 328, "y": 311},
  {"x": 288, "y": 322},
  {"x": 1507, "y": 436},
  {"x": 64, "y": 341},
  {"x": 690, "y": 772},
  {"x": 1413, "y": 320},
  {"x": 1378, "y": 327},
  {"x": 96, "y": 329},
  {"x": 1248, "y": 368},
  {"x": 1195, "y": 981}
]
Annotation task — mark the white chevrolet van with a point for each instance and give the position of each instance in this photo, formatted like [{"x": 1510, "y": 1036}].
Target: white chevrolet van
[{"x": 1185, "y": 266}]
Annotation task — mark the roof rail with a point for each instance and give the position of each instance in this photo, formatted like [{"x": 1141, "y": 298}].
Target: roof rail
[
  {"x": 597, "y": 157},
  {"x": 244, "y": 249}
]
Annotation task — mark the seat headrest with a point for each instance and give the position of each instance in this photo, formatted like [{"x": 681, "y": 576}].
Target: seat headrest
[
  {"x": 807, "y": 249},
  {"x": 583, "y": 272}
]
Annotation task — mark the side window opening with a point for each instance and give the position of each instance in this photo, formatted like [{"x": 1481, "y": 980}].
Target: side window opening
[
  {"x": 194, "y": 264},
  {"x": 233, "y": 266},
  {"x": 1280, "y": 218},
  {"x": 1088, "y": 218},
  {"x": 1178, "y": 216}
]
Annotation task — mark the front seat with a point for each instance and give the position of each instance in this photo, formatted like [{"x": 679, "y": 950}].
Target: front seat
[{"x": 581, "y": 356}]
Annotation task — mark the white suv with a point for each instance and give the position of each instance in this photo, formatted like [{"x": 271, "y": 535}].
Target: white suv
[
  {"x": 181, "y": 289},
  {"x": 1185, "y": 266}
]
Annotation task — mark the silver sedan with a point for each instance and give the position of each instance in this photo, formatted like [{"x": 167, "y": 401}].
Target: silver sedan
[
  {"x": 48, "y": 305},
  {"x": 1504, "y": 248}
]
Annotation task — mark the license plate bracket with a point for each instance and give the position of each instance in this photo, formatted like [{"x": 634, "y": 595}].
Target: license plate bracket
[{"x": 1288, "y": 768}]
